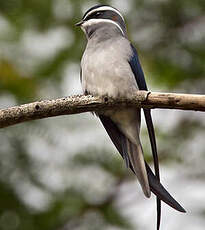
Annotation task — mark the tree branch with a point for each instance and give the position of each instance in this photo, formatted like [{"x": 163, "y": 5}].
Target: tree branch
[{"x": 81, "y": 103}]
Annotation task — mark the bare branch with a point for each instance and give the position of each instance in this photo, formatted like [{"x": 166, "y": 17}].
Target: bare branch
[{"x": 80, "y": 104}]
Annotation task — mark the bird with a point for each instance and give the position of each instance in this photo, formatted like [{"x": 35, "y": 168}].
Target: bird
[{"x": 110, "y": 67}]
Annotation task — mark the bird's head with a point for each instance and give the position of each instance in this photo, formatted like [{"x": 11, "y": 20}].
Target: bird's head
[{"x": 100, "y": 16}]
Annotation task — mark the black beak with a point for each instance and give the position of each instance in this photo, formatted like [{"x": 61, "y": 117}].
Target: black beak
[{"x": 79, "y": 23}]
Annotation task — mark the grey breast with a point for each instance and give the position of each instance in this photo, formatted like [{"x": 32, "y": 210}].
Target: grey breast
[{"x": 105, "y": 67}]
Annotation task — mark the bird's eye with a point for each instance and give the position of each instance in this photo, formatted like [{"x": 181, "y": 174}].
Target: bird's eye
[{"x": 98, "y": 14}]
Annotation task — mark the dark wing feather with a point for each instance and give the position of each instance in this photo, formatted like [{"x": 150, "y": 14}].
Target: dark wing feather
[
  {"x": 119, "y": 141},
  {"x": 139, "y": 76},
  {"x": 137, "y": 69}
]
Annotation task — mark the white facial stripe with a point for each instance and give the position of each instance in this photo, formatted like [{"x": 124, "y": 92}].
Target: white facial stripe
[
  {"x": 96, "y": 21},
  {"x": 103, "y": 8}
]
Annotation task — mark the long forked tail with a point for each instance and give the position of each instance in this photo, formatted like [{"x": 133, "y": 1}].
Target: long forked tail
[{"x": 157, "y": 188}]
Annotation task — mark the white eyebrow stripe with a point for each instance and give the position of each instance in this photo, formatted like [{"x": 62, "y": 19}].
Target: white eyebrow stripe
[
  {"x": 95, "y": 21},
  {"x": 103, "y": 8}
]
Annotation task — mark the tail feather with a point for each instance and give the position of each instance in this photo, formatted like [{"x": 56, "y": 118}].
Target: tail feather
[
  {"x": 158, "y": 189},
  {"x": 136, "y": 158},
  {"x": 150, "y": 127}
]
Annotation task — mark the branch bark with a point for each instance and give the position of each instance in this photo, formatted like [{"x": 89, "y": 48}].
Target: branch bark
[{"x": 81, "y": 103}]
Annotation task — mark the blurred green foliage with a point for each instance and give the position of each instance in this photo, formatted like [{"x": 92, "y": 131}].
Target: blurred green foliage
[{"x": 169, "y": 36}]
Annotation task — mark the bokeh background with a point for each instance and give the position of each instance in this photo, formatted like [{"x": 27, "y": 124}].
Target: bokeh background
[{"x": 64, "y": 173}]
